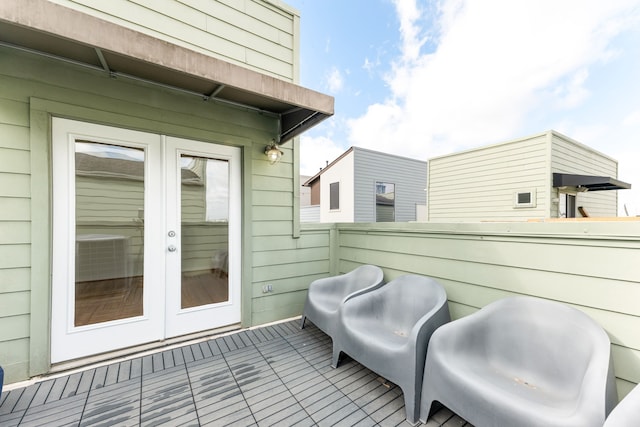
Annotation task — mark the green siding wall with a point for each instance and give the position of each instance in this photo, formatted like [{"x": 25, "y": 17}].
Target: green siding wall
[
  {"x": 32, "y": 89},
  {"x": 15, "y": 235},
  {"x": 256, "y": 34}
]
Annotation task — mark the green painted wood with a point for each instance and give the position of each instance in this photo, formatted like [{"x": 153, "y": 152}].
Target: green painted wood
[
  {"x": 625, "y": 361},
  {"x": 604, "y": 292},
  {"x": 624, "y": 387},
  {"x": 272, "y": 198},
  {"x": 15, "y": 232},
  {"x": 15, "y": 372},
  {"x": 274, "y": 183},
  {"x": 13, "y": 112},
  {"x": 536, "y": 254},
  {"x": 307, "y": 240},
  {"x": 14, "y": 304},
  {"x": 12, "y": 352},
  {"x": 275, "y": 272},
  {"x": 171, "y": 112},
  {"x": 38, "y": 357},
  {"x": 15, "y": 256},
  {"x": 16, "y": 137},
  {"x": 271, "y": 228},
  {"x": 272, "y": 213},
  {"x": 14, "y": 184},
  {"x": 252, "y": 35},
  {"x": 15, "y": 279},
  {"x": 14, "y": 327},
  {"x": 280, "y": 306},
  {"x": 14, "y": 161},
  {"x": 281, "y": 286},
  {"x": 283, "y": 257},
  {"x": 15, "y": 209}
]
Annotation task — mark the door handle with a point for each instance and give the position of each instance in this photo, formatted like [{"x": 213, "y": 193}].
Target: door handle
[{"x": 172, "y": 248}]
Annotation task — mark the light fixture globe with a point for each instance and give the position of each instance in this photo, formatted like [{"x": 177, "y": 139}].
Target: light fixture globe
[{"x": 273, "y": 153}]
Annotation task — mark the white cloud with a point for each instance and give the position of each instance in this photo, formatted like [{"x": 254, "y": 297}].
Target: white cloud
[
  {"x": 412, "y": 35},
  {"x": 572, "y": 92},
  {"x": 493, "y": 64},
  {"x": 368, "y": 65},
  {"x": 316, "y": 152},
  {"x": 335, "y": 81},
  {"x": 633, "y": 119}
]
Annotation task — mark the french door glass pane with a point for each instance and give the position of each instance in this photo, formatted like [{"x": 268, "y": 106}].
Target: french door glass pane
[
  {"x": 204, "y": 199},
  {"x": 109, "y": 184}
]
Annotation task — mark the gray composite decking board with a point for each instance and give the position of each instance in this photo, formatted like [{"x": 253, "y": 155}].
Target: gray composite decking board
[{"x": 273, "y": 375}]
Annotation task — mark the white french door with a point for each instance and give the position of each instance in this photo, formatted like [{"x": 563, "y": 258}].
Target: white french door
[
  {"x": 203, "y": 237},
  {"x": 146, "y": 238}
]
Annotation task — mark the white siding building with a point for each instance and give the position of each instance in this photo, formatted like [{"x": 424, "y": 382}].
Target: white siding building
[{"x": 547, "y": 175}]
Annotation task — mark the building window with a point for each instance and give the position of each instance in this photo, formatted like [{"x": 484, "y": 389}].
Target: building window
[
  {"x": 334, "y": 196},
  {"x": 524, "y": 199},
  {"x": 385, "y": 202}
]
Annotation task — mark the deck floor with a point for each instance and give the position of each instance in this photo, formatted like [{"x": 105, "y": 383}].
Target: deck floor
[{"x": 274, "y": 375}]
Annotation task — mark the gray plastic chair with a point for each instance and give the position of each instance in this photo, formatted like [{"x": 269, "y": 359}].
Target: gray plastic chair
[
  {"x": 627, "y": 412},
  {"x": 521, "y": 361},
  {"x": 326, "y": 295},
  {"x": 388, "y": 330}
]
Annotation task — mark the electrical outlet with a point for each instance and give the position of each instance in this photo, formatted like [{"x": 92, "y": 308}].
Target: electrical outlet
[{"x": 267, "y": 288}]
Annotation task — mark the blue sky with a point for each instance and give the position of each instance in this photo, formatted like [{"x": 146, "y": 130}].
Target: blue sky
[{"x": 423, "y": 78}]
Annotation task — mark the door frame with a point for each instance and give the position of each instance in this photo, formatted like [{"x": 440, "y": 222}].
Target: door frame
[{"x": 157, "y": 244}]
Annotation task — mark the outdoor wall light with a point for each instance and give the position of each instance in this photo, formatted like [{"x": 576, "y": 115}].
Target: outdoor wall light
[{"x": 273, "y": 153}]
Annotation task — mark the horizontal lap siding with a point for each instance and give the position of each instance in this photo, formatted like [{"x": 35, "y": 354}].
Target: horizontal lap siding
[
  {"x": 251, "y": 33},
  {"x": 479, "y": 185},
  {"x": 289, "y": 266},
  {"x": 569, "y": 156},
  {"x": 97, "y": 97},
  {"x": 408, "y": 175},
  {"x": 285, "y": 263},
  {"x": 15, "y": 235},
  {"x": 589, "y": 266}
]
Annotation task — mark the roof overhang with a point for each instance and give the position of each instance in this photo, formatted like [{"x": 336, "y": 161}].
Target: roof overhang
[
  {"x": 588, "y": 182},
  {"x": 46, "y": 28}
]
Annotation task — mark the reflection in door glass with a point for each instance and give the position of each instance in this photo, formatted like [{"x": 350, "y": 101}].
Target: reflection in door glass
[
  {"x": 109, "y": 183},
  {"x": 205, "y": 231}
]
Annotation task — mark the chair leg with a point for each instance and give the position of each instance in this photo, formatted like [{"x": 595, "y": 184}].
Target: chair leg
[
  {"x": 411, "y": 407},
  {"x": 302, "y": 321},
  {"x": 335, "y": 359}
]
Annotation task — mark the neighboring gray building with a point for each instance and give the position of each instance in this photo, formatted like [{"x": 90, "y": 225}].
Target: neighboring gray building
[{"x": 367, "y": 186}]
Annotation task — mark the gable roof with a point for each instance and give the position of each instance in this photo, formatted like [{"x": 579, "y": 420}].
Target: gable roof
[{"x": 355, "y": 150}]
